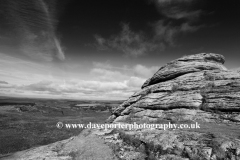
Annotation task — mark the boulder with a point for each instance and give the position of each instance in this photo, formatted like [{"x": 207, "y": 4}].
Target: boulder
[
  {"x": 195, "y": 88},
  {"x": 196, "y": 82},
  {"x": 187, "y": 64}
]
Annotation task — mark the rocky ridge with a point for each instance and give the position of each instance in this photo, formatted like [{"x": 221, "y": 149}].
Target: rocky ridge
[{"x": 189, "y": 90}]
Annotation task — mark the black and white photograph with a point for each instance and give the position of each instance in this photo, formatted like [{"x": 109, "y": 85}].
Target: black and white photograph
[{"x": 119, "y": 80}]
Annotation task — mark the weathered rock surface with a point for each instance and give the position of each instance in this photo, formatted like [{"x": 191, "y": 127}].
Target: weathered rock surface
[
  {"x": 205, "y": 88},
  {"x": 187, "y": 64},
  {"x": 191, "y": 90}
]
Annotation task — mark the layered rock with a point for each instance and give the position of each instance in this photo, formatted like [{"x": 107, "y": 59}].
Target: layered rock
[
  {"x": 192, "y": 85},
  {"x": 195, "y": 88},
  {"x": 187, "y": 64}
]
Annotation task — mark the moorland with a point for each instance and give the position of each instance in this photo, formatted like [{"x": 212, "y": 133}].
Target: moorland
[{"x": 26, "y": 122}]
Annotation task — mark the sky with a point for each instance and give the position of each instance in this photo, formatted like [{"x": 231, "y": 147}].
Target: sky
[{"x": 106, "y": 49}]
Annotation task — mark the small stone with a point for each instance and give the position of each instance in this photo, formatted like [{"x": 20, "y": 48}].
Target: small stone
[
  {"x": 227, "y": 145},
  {"x": 238, "y": 152},
  {"x": 236, "y": 119},
  {"x": 208, "y": 152},
  {"x": 214, "y": 157}
]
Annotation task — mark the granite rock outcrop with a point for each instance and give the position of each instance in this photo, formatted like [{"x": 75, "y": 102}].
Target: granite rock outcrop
[{"x": 194, "y": 86}]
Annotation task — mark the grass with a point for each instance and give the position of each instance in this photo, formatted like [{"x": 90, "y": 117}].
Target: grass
[
  {"x": 22, "y": 134},
  {"x": 23, "y": 130},
  {"x": 148, "y": 148},
  {"x": 130, "y": 139}
]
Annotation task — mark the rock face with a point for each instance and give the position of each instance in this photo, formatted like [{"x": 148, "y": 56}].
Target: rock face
[
  {"x": 190, "y": 85},
  {"x": 185, "y": 65},
  {"x": 196, "y": 90}
]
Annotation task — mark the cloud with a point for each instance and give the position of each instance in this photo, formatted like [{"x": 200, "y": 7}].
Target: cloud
[
  {"x": 177, "y": 13},
  {"x": 101, "y": 42},
  {"x": 3, "y": 82},
  {"x": 177, "y": 17},
  {"x": 166, "y": 33},
  {"x": 4, "y": 86},
  {"x": 186, "y": 27},
  {"x": 85, "y": 88},
  {"x": 129, "y": 42},
  {"x": 42, "y": 86},
  {"x": 135, "y": 82},
  {"x": 121, "y": 73},
  {"x": 34, "y": 24},
  {"x": 172, "y": 1},
  {"x": 107, "y": 65},
  {"x": 102, "y": 65},
  {"x": 105, "y": 82},
  {"x": 178, "y": 9},
  {"x": 143, "y": 71},
  {"x": 235, "y": 69},
  {"x": 107, "y": 75},
  {"x": 41, "y": 46},
  {"x": 107, "y": 70}
]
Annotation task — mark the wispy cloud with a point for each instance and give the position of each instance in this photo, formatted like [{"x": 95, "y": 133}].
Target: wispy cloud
[
  {"x": 166, "y": 33},
  {"x": 107, "y": 74},
  {"x": 177, "y": 13},
  {"x": 235, "y": 69},
  {"x": 137, "y": 70},
  {"x": 143, "y": 71},
  {"x": 107, "y": 65},
  {"x": 135, "y": 82},
  {"x": 83, "y": 88},
  {"x": 102, "y": 65},
  {"x": 103, "y": 80},
  {"x": 41, "y": 47},
  {"x": 129, "y": 42},
  {"x": 18, "y": 71},
  {"x": 177, "y": 17},
  {"x": 3, "y": 82},
  {"x": 177, "y": 9},
  {"x": 34, "y": 24}
]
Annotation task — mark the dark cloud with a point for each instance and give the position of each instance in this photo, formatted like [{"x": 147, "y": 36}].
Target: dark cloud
[
  {"x": 41, "y": 86},
  {"x": 129, "y": 42},
  {"x": 166, "y": 33},
  {"x": 3, "y": 82},
  {"x": 178, "y": 9},
  {"x": 4, "y": 85},
  {"x": 177, "y": 13},
  {"x": 177, "y": 17}
]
